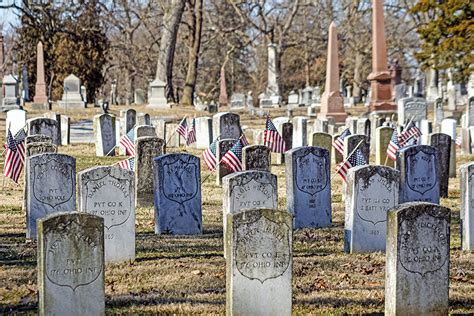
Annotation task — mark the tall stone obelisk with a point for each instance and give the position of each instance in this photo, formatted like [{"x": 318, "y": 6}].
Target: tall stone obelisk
[
  {"x": 381, "y": 99},
  {"x": 332, "y": 103},
  {"x": 223, "y": 99},
  {"x": 40, "y": 100}
]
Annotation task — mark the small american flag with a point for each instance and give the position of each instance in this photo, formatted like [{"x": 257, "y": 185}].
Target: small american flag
[
  {"x": 127, "y": 143},
  {"x": 410, "y": 132},
  {"x": 338, "y": 143},
  {"x": 459, "y": 141},
  {"x": 356, "y": 159},
  {"x": 272, "y": 139},
  {"x": 182, "y": 128},
  {"x": 14, "y": 155},
  {"x": 191, "y": 134},
  {"x": 393, "y": 146},
  {"x": 209, "y": 156},
  {"x": 244, "y": 140},
  {"x": 233, "y": 158},
  {"x": 127, "y": 163}
]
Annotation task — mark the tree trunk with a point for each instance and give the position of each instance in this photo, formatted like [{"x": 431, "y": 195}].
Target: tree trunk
[
  {"x": 169, "y": 34},
  {"x": 193, "y": 57}
]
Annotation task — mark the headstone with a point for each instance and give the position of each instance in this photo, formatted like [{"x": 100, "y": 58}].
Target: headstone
[
  {"x": 322, "y": 140},
  {"x": 417, "y": 260},
  {"x": 308, "y": 186},
  {"x": 438, "y": 111},
  {"x": 448, "y": 126},
  {"x": 363, "y": 127},
  {"x": 72, "y": 98},
  {"x": 321, "y": 125},
  {"x": 143, "y": 119},
  {"x": 383, "y": 135},
  {"x": 222, "y": 148},
  {"x": 285, "y": 129},
  {"x": 299, "y": 131},
  {"x": 108, "y": 192},
  {"x": 172, "y": 139},
  {"x": 45, "y": 126},
  {"x": 442, "y": 143},
  {"x": 10, "y": 92},
  {"x": 146, "y": 149},
  {"x": 256, "y": 157},
  {"x": 130, "y": 120},
  {"x": 71, "y": 265},
  {"x": 265, "y": 101},
  {"x": 293, "y": 99},
  {"x": 259, "y": 264},
  {"x": 467, "y": 206},
  {"x": 15, "y": 120},
  {"x": 40, "y": 99},
  {"x": 139, "y": 96},
  {"x": 237, "y": 101},
  {"x": 38, "y": 138},
  {"x": 425, "y": 128},
  {"x": 226, "y": 125},
  {"x": 412, "y": 109},
  {"x": 361, "y": 142},
  {"x": 65, "y": 126},
  {"x": 370, "y": 192},
  {"x": 51, "y": 187},
  {"x": 104, "y": 133},
  {"x": 203, "y": 132},
  {"x": 351, "y": 124},
  {"x": 144, "y": 130},
  {"x": 466, "y": 141},
  {"x": 419, "y": 174},
  {"x": 157, "y": 97},
  {"x": 273, "y": 71},
  {"x": 470, "y": 111},
  {"x": 177, "y": 194}
]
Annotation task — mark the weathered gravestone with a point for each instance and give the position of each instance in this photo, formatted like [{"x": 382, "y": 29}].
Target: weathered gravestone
[
  {"x": 260, "y": 262},
  {"x": 226, "y": 125},
  {"x": 144, "y": 130},
  {"x": 104, "y": 132},
  {"x": 285, "y": 129},
  {"x": 308, "y": 186},
  {"x": 71, "y": 264},
  {"x": 72, "y": 98},
  {"x": 467, "y": 206},
  {"x": 300, "y": 124},
  {"x": 412, "y": 108},
  {"x": 442, "y": 143},
  {"x": 130, "y": 120},
  {"x": 361, "y": 142},
  {"x": 223, "y": 146},
  {"x": 383, "y": 135},
  {"x": 45, "y": 126},
  {"x": 248, "y": 190},
  {"x": 448, "y": 126},
  {"x": 65, "y": 127},
  {"x": 51, "y": 187},
  {"x": 322, "y": 140},
  {"x": 419, "y": 174},
  {"x": 438, "y": 112},
  {"x": 237, "y": 101},
  {"x": 177, "y": 194},
  {"x": 146, "y": 148},
  {"x": 108, "y": 192},
  {"x": 40, "y": 148},
  {"x": 143, "y": 119},
  {"x": 470, "y": 112},
  {"x": 256, "y": 157},
  {"x": 203, "y": 132},
  {"x": 38, "y": 138},
  {"x": 417, "y": 260},
  {"x": 370, "y": 192}
]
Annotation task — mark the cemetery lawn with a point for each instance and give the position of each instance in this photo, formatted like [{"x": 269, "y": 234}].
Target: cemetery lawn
[{"x": 173, "y": 274}]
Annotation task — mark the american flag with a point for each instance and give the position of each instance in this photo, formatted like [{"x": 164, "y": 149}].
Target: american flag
[
  {"x": 338, "y": 143},
  {"x": 393, "y": 146},
  {"x": 127, "y": 143},
  {"x": 209, "y": 156},
  {"x": 244, "y": 139},
  {"x": 459, "y": 141},
  {"x": 233, "y": 158},
  {"x": 356, "y": 159},
  {"x": 191, "y": 136},
  {"x": 409, "y": 132},
  {"x": 272, "y": 139},
  {"x": 14, "y": 155},
  {"x": 182, "y": 128},
  {"x": 128, "y": 163}
]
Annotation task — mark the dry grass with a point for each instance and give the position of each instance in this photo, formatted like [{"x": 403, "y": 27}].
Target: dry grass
[{"x": 187, "y": 274}]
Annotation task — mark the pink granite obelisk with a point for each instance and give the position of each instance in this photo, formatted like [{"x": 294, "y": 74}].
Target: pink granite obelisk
[
  {"x": 380, "y": 79},
  {"x": 223, "y": 99},
  {"x": 40, "y": 87},
  {"x": 332, "y": 103}
]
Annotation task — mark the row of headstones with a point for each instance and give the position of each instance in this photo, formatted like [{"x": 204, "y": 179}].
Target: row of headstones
[{"x": 259, "y": 262}]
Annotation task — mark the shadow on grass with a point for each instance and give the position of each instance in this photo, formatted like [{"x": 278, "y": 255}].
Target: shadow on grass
[{"x": 155, "y": 299}]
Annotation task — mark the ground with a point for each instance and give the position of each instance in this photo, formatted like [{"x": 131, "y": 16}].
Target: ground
[{"x": 174, "y": 274}]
